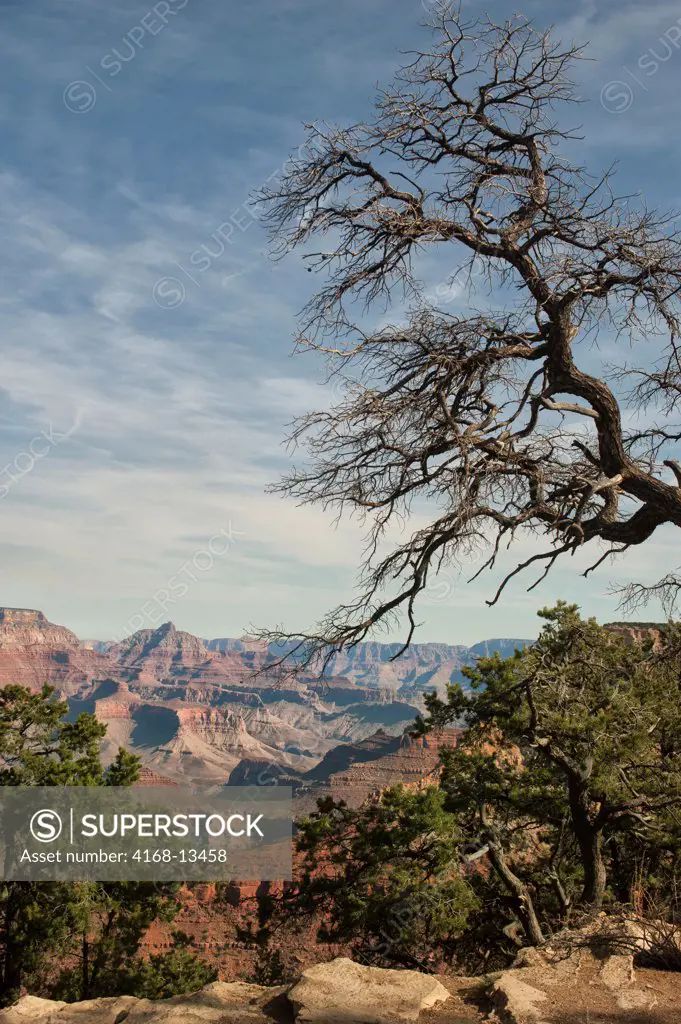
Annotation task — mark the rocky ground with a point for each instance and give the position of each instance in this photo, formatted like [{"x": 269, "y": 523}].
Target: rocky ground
[
  {"x": 578, "y": 979},
  {"x": 587, "y": 977},
  {"x": 339, "y": 992}
]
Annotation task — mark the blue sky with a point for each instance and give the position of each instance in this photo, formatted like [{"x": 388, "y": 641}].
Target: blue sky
[{"x": 141, "y": 430}]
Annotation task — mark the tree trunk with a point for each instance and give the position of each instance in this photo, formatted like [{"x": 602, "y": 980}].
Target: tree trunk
[
  {"x": 620, "y": 880},
  {"x": 594, "y": 868},
  {"x": 590, "y": 841},
  {"x": 11, "y": 977},
  {"x": 521, "y": 893},
  {"x": 562, "y": 896},
  {"x": 11, "y": 982},
  {"x": 85, "y": 982}
]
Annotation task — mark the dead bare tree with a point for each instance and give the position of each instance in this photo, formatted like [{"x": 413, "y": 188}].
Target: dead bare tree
[{"x": 491, "y": 418}]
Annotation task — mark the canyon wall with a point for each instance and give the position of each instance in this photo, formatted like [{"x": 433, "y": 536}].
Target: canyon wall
[{"x": 199, "y": 711}]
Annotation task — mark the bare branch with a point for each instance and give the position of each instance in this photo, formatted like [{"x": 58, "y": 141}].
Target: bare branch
[{"x": 473, "y": 415}]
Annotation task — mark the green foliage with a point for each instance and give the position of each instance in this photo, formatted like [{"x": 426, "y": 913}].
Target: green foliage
[
  {"x": 96, "y": 926},
  {"x": 124, "y": 770},
  {"x": 107, "y": 921},
  {"x": 170, "y": 974},
  {"x": 33, "y": 925},
  {"x": 269, "y": 967},
  {"x": 385, "y": 877},
  {"x": 39, "y": 748},
  {"x": 110, "y": 964},
  {"x": 570, "y": 767},
  {"x": 562, "y": 795}
]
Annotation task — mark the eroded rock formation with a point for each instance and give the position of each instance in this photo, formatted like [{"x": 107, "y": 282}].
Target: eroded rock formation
[{"x": 195, "y": 711}]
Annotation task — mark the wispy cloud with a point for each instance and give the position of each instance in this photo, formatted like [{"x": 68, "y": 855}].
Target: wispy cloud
[{"x": 183, "y": 410}]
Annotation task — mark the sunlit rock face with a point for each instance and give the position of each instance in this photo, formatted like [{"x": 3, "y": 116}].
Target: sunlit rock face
[
  {"x": 195, "y": 710},
  {"x": 638, "y": 632},
  {"x": 34, "y": 651}
]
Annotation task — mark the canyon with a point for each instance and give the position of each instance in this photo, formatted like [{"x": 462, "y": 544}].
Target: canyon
[{"x": 214, "y": 712}]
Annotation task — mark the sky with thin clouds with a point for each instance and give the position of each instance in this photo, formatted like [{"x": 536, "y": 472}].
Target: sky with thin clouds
[{"x": 145, "y": 393}]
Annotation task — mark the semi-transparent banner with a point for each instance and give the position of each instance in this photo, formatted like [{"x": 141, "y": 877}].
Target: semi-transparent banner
[{"x": 145, "y": 833}]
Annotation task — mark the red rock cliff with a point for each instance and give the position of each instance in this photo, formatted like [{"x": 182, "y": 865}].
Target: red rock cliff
[{"x": 34, "y": 651}]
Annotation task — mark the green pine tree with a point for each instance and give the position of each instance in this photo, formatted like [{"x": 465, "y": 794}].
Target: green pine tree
[{"x": 97, "y": 926}]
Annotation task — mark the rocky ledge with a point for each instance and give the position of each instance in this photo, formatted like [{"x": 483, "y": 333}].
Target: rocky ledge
[
  {"x": 339, "y": 992},
  {"x": 587, "y": 976},
  {"x": 581, "y": 976}
]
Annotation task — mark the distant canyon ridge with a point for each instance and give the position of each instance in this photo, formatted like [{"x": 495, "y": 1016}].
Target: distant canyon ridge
[{"x": 204, "y": 711}]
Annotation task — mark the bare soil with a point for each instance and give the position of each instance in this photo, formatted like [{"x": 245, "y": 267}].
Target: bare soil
[
  {"x": 586, "y": 1002},
  {"x": 463, "y": 1008},
  {"x": 591, "y": 1004}
]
